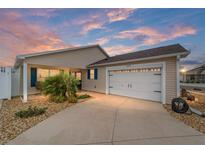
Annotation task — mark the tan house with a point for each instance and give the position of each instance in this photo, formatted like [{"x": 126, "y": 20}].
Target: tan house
[{"x": 151, "y": 74}]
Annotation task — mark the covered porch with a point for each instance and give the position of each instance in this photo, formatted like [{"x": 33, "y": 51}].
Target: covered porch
[
  {"x": 33, "y": 74},
  {"x": 36, "y": 67}
]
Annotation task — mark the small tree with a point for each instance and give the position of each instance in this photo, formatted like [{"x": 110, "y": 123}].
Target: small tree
[{"x": 61, "y": 87}]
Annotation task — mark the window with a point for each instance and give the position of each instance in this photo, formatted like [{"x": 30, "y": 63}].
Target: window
[
  {"x": 78, "y": 75},
  {"x": 42, "y": 74},
  {"x": 53, "y": 72},
  {"x": 143, "y": 70},
  {"x": 92, "y": 74},
  {"x": 3, "y": 70}
]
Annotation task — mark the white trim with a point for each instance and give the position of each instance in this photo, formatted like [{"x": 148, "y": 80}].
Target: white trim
[
  {"x": 107, "y": 81},
  {"x": 141, "y": 59},
  {"x": 25, "y": 90},
  {"x": 157, "y": 64},
  {"x": 178, "y": 77}
]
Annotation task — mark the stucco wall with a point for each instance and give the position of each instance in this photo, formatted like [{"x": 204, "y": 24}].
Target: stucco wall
[{"x": 100, "y": 84}]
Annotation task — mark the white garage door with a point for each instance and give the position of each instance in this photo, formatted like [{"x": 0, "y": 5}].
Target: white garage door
[{"x": 143, "y": 83}]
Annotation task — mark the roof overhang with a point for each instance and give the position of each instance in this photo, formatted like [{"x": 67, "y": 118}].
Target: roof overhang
[{"x": 180, "y": 55}]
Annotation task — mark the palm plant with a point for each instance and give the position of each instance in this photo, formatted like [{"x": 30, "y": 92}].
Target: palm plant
[
  {"x": 61, "y": 87},
  {"x": 72, "y": 88}
]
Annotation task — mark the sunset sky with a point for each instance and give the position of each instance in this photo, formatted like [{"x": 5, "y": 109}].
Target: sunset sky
[{"x": 116, "y": 30}]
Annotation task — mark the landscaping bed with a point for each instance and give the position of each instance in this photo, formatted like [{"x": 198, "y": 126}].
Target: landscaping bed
[
  {"x": 12, "y": 125},
  {"x": 193, "y": 120}
]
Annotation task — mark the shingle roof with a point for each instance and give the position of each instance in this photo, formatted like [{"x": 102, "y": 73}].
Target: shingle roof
[{"x": 148, "y": 53}]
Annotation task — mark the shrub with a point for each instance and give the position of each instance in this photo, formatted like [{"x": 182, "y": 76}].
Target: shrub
[
  {"x": 83, "y": 96},
  {"x": 30, "y": 112},
  {"x": 55, "y": 87},
  {"x": 72, "y": 87},
  {"x": 72, "y": 99},
  {"x": 39, "y": 85},
  {"x": 61, "y": 87}
]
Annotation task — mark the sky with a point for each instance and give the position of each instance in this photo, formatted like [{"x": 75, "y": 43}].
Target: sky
[{"x": 118, "y": 31}]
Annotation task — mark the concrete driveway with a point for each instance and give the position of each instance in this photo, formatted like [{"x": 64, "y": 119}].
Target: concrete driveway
[{"x": 111, "y": 120}]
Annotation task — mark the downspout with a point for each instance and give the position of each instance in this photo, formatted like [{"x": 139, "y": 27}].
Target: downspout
[{"x": 178, "y": 76}]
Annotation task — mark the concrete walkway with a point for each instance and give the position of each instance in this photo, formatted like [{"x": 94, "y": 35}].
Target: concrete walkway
[{"x": 111, "y": 120}]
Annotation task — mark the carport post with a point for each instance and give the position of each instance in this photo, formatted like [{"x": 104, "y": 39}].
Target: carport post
[{"x": 25, "y": 93}]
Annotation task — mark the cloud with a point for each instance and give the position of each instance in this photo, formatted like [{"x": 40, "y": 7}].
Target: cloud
[
  {"x": 151, "y": 36},
  {"x": 88, "y": 26},
  {"x": 99, "y": 19},
  {"x": 120, "y": 49},
  {"x": 101, "y": 41},
  {"x": 47, "y": 13},
  {"x": 119, "y": 14},
  {"x": 18, "y": 36}
]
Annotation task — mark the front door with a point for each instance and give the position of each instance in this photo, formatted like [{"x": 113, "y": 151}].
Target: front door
[{"x": 33, "y": 77}]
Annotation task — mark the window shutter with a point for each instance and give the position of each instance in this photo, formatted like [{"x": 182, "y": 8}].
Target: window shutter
[
  {"x": 88, "y": 74},
  {"x": 95, "y": 73}
]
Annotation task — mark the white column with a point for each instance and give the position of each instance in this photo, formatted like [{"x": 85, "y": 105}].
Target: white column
[
  {"x": 178, "y": 77},
  {"x": 25, "y": 93}
]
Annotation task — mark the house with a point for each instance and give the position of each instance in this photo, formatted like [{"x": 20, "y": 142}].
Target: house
[
  {"x": 195, "y": 75},
  {"x": 151, "y": 74}
]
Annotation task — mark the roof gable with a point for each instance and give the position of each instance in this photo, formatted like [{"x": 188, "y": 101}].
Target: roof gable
[{"x": 84, "y": 50}]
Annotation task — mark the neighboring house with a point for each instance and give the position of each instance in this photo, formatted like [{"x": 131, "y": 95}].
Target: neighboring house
[
  {"x": 151, "y": 74},
  {"x": 195, "y": 75}
]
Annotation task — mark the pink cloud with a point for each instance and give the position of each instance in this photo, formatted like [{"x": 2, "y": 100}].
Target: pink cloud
[
  {"x": 180, "y": 31},
  {"x": 120, "y": 49},
  {"x": 151, "y": 36},
  {"x": 99, "y": 19},
  {"x": 47, "y": 13},
  {"x": 102, "y": 40},
  {"x": 18, "y": 36},
  {"x": 119, "y": 14},
  {"x": 88, "y": 23},
  {"x": 91, "y": 26}
]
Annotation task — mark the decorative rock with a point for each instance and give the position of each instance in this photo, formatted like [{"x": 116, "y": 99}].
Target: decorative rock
[
  {"x": 193, "y": 120},
  {"x": 11, "y": 126}
]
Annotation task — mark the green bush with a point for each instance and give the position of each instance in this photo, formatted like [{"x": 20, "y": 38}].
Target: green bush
[
  {"x": 61, "y": 87},
  {"x": 55, "y": 87},
  {"x": 83, "y": 96},
  {"x": 30, "y": 112},
  {"x": 39, "y": 85},
  {"x": 72, "y": 87}
]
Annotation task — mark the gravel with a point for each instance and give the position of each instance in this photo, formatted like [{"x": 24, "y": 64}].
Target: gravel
[
  {"x": 11, "y": 126},
  {"x": 190, "y": 119}
]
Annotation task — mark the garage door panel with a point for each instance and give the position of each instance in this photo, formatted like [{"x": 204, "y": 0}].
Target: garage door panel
[{"x": 143, "y": 85}]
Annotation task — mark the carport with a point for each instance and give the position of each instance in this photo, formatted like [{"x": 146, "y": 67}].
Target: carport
[{"x": 70, "y": 59}]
